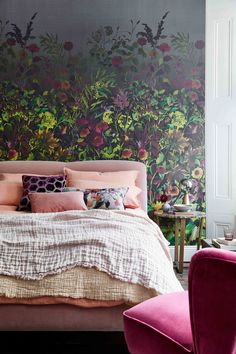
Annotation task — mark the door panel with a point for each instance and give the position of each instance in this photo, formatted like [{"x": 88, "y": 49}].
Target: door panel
[{"x": 220, "y": 115}]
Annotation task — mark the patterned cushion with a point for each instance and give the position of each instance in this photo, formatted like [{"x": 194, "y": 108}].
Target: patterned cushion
[
  {"x": 39, "y": 184},
  {"x": 107, "y": 198}
]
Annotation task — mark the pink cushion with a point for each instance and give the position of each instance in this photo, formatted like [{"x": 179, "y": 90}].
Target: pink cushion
[
  {"x": 11, "y": 188},
  {"x": 8, "y": 207},
  {"x": 99, "y": 180},
  {"x": 56, "y": 202},
  {"x": 10, "y": 192},
  {"x": 158, "y": 325}
]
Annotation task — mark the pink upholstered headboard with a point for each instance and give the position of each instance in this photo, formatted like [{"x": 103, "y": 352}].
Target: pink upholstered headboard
[{"x": 56, "y": 167}]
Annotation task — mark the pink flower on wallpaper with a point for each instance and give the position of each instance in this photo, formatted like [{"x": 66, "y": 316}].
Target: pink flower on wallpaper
[
  {"x": 142, "y": 41},
  {"x": 68, "y": 46},
  {"x": 117, "y": 61},
  {"x": 194, "y": 70},
  {"x": 127, "y": 153},
  {"x": 11, "y": 41},
  {"x": 102, "y": 126},
  {"x": 200, "y": 44},
  {"x": 164, "y": 47},
  {"x": 160, "y": 169},
  {"x": 193, "y": 96},
  {"x": 196, "y": 84},
  {"x": 188, "y": 84},
  {"x": 33, "y": 48},
  {"x": 121, "y": 100},
  {"x": 97, "y": 141}
]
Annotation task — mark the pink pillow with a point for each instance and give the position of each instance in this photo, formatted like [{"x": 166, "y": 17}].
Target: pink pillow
[
  {"x": 8, "y": 207},
  {"x": 10, "y": 192},
  {"x": 11, "y": 188},
  {"x": 99, "y": 180},
  {"x": 56, "y": 202},
  {"x": 11, "y": 177}
]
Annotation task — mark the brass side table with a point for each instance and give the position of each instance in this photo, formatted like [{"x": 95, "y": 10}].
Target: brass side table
[{"x": 180, "y": 224}]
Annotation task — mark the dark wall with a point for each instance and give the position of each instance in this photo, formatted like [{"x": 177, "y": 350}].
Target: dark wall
[{"x": 106, "y": 80}]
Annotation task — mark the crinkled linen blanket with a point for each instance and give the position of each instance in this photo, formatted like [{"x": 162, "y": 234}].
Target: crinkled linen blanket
[{"x": 125, "y": 245}]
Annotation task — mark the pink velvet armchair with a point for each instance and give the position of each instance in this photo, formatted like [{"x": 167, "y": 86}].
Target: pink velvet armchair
[{"x": 201, "y": 320}]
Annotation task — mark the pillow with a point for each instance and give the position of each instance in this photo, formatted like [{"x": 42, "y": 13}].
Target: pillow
[
  {"x": 107, "y": 198},
  {"x": 40, "y": 184},
  {"x": 10, "y": 193},
  {"x": 8, "y": 207},
  {"x": 11, "y": 188},
  {"x": 101, "y": 180},
  {"x": 56, "y": 202}
]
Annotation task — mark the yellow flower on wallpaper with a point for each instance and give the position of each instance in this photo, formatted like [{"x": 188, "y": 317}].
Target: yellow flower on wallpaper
[
  {"x": 107, "y": 117},
  {"x": 178, "y": 119},
  {"x": 48, "y": 120},
  {"x": 175, "y": 140},
  {"x": 157, "y": 206},
  {"x": 197, "y": 173}
]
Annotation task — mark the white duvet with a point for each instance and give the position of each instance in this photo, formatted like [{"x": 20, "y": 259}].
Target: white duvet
[{"x": 126, "y": 245}]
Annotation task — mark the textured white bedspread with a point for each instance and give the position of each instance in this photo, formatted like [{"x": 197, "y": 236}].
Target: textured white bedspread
[{"x": 126, "y": 245}]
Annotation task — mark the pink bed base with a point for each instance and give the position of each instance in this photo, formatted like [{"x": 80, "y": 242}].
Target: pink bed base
[{"x": 68, "y": 317}]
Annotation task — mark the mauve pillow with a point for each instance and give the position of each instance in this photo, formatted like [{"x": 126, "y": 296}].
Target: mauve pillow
[
  {"x": 39, "y": 184},
  {"x": 56, "y": 202},
  {"x": 101, "y": 180}
]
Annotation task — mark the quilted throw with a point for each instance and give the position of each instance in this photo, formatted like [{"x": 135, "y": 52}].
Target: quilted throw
[{"x": 126, "y": 245}]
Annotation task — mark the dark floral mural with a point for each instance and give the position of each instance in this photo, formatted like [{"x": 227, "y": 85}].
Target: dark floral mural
[{"x": 137, "y": 94}]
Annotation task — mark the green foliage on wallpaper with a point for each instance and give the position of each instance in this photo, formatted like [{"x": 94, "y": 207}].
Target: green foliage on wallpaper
[{"x": 136, "y": 95}]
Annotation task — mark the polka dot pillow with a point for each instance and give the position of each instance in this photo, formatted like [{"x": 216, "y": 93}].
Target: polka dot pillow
[{"x": 39, "y": 184}]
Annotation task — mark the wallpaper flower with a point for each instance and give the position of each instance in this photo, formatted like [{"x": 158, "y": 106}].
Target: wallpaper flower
[{"x": 137, "y": 94}]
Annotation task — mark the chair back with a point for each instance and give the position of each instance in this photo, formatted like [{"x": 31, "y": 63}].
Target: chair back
[{"x": 212, "y": 301}]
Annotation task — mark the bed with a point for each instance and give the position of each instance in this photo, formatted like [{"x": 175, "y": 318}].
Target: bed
[{"x": 45, "y": 311}]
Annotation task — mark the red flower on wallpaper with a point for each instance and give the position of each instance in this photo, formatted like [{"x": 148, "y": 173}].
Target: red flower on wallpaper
[
  {"x": 117, "y": 60},
  {"x": 142, "y": 41},
  {"x": 82, "y": 121},
  {"x": 164, "y": 47},
  {"x": 142, "y": 154},
  {"x": 97, "y": 141},
  {"x": 193, "y": 96},
  {"x": 36, "y": 59},
  {"x": 68, "y": 46},
  {"x": 102, "y": 126},
  {"x": 127, "y": 153},
  {"x": 200, "y": 44},
  {"x": 160, "y": 169},
  {"x": 33, "y": 48},
  {"x": 196, "y": 84},
  {"x": 84, "y": 132},
  {"x": 63, "y": 97},
  {"x": 11, "y": 41},
  {"x": 65, "y": 85}
]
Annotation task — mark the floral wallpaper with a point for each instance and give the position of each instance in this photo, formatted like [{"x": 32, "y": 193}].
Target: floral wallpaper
[{"x": 136, "y": 94}]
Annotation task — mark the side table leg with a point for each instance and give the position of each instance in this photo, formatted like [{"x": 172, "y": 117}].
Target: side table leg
[
  {"x": 181, "y": 252},
  {"x": 200, "y": 233},
  {"x": 176, "y": 240}
]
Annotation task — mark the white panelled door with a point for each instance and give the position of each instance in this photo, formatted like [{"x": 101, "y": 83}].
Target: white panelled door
[{"x": 220, "y": 116}]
